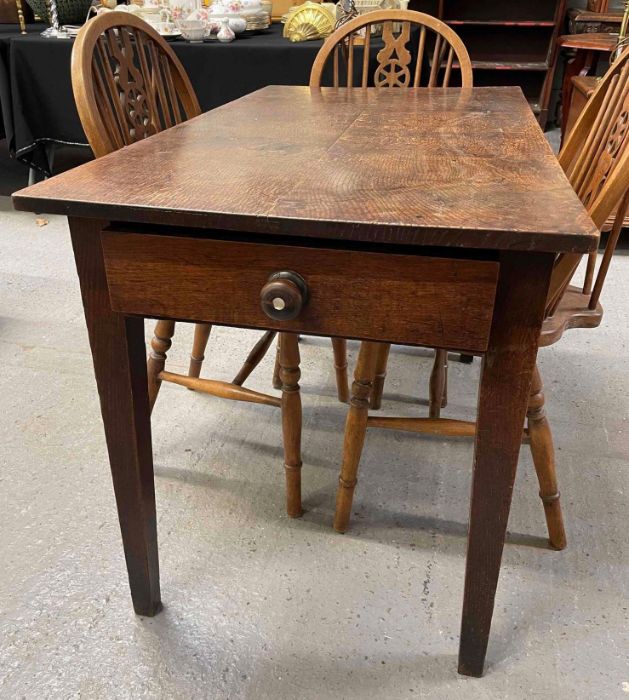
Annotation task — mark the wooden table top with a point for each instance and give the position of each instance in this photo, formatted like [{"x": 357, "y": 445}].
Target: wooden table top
[{"x": 453, "y": 167}]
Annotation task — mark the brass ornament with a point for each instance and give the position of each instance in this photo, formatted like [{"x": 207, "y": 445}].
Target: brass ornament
[{"x": 307, "y": 22}]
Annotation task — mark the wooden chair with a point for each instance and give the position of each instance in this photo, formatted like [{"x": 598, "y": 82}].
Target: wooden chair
[
  {"x": 396, "y": 65},
  {"x": 596, "y": 161},
  {"x": 128, "y": 85},
  {"x": 436, "y": 43}
]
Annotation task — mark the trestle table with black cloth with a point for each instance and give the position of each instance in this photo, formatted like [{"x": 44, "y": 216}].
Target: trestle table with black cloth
[{"x": 39, "y": 90}]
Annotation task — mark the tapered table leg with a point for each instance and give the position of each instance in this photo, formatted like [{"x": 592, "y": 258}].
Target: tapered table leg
[
  {"x": 119, "y": 354},
  {"x": 502, "y": 403}
]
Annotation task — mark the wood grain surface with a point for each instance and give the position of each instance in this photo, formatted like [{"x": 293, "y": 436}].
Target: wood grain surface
[
  {"x": 119, "y": 355},
  {"x": 447, "y": 167},
  {"x": 408, "y": 299}
]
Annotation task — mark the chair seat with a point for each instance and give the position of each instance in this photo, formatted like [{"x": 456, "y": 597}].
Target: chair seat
[{"x": 572, "y": 312}]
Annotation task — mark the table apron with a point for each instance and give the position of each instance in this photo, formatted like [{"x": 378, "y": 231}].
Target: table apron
[{"x": 411, "y": 299}]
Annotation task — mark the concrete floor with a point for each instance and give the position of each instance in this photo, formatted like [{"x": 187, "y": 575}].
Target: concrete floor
[{"x": 257, "y": 606}]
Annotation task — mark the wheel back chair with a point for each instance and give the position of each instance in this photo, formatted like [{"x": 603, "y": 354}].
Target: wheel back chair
[
  {"x": 437, "y": 51},
  {"x": 128, "y": 85},
  {"x": 595, "y": 159}
]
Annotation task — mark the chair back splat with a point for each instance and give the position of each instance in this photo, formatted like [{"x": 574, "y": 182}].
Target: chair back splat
[
  {"x": 128, "y": 83},
  {"x": 595, "y": 159},
  {"x": 425, "y": 58}
]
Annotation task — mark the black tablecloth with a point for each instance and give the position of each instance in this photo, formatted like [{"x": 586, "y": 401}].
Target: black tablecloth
[
  {"x": 38, "y": 92},
  {"x": 6, "y": 32}
]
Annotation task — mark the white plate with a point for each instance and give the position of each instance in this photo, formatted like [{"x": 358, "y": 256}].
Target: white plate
[{"x": 175, "y": 34}]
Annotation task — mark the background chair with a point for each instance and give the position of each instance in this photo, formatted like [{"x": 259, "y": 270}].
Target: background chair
[
  {"x": 596, "y": 160},
  {"x": 439, "y": 52},
  {"x": 419, "y": 51},
  {"x": 128, "y": 85}
]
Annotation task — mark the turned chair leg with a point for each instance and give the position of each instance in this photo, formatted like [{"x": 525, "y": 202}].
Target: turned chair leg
[
  {"x": 355, "y": 430},
  {"x": 201, "y": 336},
  {"x": 339, "y": 348},
  {"x": 254, "y": 358},
  {"x": 160, "y": 345},
  {"x": 381, "y": 373},
  {"x": 543, "y": 451},
  {"x": 291, "y": 421},
  {"x": 277, "y": 382},
  {"x": 439, "y": 384}
]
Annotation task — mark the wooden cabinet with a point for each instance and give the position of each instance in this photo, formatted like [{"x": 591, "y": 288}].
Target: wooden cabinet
[
  {"x": 510, "y": 43},
  {"x": 605, "y": 5}
]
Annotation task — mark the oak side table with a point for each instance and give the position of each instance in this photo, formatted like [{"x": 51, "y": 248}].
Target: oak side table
[{"x": 412, "y": 216}]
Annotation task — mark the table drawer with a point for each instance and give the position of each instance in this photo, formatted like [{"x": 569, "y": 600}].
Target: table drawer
[{"x": 407, "y": 299}]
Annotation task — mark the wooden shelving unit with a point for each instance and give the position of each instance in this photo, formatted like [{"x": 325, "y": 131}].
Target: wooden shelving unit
[{"x": 510, "y": 43}]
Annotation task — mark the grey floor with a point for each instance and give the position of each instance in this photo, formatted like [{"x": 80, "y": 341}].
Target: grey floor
[{"x": 258, "y": 606}]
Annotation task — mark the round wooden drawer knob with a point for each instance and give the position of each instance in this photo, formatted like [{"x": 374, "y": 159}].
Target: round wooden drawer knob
[{"x": 284, "y": 296}]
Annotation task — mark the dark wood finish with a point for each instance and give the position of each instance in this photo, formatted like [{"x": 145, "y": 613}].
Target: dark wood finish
[
  {"x": 118, "y": 352},
  {"x": 268, "y": 190},
  {"x": 226, "y": 277},
  {"x": 16, "y": 12},
  {"x": 436, "y": 49},
  {"x": 586, "y": 49},
  {"x": 436, "y": 43},
  {"x": 509, "y": 43},
  {"x": 503, "y": 398},
  {"x": 283, "y": 297},
  {"x": 588, "y": 22},
  {"x": 598, "y": 5},
  {"x": 594, "y": 41},
  {"x": 438, "y": 384},
  {"x": 596, "y": 161},
  {"x": 128, "y": 85},
  {"x": 478, "y": 210}
]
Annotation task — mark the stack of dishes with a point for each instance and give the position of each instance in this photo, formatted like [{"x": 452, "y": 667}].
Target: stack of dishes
[
  {"x": 258, "y": 22},
  {"x": 256, "y": 16}
]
